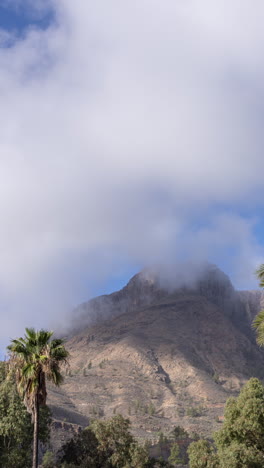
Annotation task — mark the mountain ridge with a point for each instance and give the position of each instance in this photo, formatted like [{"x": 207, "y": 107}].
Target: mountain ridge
[{"x": 147, "y": 286}]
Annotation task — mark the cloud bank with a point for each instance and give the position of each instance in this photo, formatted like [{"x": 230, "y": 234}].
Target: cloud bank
[{"x": 129, "y": 132}]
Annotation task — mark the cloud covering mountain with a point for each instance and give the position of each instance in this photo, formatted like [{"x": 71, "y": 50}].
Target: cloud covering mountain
[{"x": 131, "y": 133}]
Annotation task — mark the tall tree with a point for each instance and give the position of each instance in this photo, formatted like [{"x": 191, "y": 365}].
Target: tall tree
[
  {"x": 36, "y": 358},
  {"x": 258, "y": 323}
]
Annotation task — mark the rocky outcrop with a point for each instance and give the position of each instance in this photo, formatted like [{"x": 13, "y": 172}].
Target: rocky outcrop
[
  {"x": 61, "y": 432},
  {"x": 143, "y": 289},
  {"x": 253, "y": 301}
]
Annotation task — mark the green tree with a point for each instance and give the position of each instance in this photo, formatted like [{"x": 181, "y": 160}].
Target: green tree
[
  {"x": 240, "y": 441},
  {"x": 202, "y": 455},
  {"x": 238, "y": 455},
  {"x": 163, "y": 440},
  {"x": 242, "y": 436},
  {"x": 175, "y": 457},
  {"x": 107, "y": 444},
  {"x": 179, "y": 433},
  {"x": 138, "y": 455},
  {"x": 36, "y": 358},
  {"x": 258, "y": 322},
  {"x": 16, "y": 429},
  {"x": 82, "y": 449},
  {"x": 114, "y": 439}
]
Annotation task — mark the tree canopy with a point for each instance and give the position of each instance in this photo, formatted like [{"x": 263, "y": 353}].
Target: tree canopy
[
  {"x": 107, "y": 444},
  {"x": 240, "y": 441}
]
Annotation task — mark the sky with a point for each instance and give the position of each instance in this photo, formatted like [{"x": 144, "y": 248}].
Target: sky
[{"x": 131, "y": 134}]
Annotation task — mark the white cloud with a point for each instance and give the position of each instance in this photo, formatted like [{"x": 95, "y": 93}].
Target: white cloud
[{"x": 120, "y": 126}]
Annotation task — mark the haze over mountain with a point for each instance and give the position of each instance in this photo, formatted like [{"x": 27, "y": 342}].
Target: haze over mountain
[{"x": 161, "y": 353}]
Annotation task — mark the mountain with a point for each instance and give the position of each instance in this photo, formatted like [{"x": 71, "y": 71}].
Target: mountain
[{"x": 163, "y": 351}]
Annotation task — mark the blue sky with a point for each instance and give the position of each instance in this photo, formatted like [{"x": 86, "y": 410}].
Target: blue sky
[
  {"x": 130, "y": 135},
  {"x": 19, "y": 17}
]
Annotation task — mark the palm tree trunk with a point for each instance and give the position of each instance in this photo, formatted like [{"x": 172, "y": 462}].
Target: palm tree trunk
[{"x": 36, "y": 433}]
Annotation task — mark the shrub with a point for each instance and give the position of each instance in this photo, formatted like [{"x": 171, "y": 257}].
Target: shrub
[
  {"x": 48, "y": 460},
  {"x": 194, "y": 412}
]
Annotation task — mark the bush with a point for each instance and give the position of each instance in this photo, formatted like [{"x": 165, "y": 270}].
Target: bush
[
  {"x": 179, "y": 433},
  {"x": 48, "y": 460},
  {"x": 175, "y": 457},
  {"x": 216, "y": 377},
  {"x": 194, "y": 412}
]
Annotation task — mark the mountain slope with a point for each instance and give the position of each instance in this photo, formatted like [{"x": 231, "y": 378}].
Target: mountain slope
[{"x": 164, "y": 356}]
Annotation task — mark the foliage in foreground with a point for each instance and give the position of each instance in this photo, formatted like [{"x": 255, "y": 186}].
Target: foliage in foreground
[
  {"x": 37, "y": 358},
  {"x": 240, "y": 442},
  {"x": 107, "y": 444},
  {"x": 16, "y": 429}
]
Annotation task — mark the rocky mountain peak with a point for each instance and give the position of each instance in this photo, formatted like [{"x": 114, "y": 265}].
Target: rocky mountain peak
[
  {"x": 152, "y": 285},
  {"x": 206, "y": 279}
]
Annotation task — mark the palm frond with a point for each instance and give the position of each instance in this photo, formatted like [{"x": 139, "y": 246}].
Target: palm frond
[
  {"x": 260, "y": 275},
  {"x": 17, "y": 343},
  {"x": 59, "y": 353},
  {"x": 43, "y": 338},
  {"x": 258, "y": 325},
  {"x": 258, "y": 320},
  {"x": 43, "y": 358},
  {"x": 29, "y": 371},
  {"x": 55, "y": 376},
  {"x": 31, "y": 335},
  {"x": 37, "y": 357}
]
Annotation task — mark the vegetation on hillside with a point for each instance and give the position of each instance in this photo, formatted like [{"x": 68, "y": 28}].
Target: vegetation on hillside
[{"x": 107, "y": 444}]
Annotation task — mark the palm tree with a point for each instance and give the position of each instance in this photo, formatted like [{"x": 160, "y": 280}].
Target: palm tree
[
  {"x": 258, "y": 322},
  {"x": 36, "y": 358}
]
